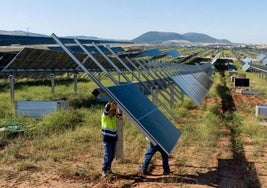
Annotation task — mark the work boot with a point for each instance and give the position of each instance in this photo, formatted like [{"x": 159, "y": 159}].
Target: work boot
[
  {"x": 104, "y": 173},
  {"x": 109, "y": 172},
  {"x": 166, "y": 173}
]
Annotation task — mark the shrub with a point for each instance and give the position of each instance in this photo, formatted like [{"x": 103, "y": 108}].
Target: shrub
[{"x": 57, "y": 122}]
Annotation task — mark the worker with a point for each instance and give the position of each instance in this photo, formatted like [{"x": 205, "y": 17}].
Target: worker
[{"x": 109, "y": 135}]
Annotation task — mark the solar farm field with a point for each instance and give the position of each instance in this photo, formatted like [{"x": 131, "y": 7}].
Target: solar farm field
[{"x": 222, "y": 144}]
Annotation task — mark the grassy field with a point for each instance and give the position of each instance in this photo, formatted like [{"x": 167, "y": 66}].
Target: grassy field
[{"x": 64, "y": 148}]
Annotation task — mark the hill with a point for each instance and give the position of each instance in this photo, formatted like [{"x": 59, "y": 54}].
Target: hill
[
  {"x": 24, "y": 33},
  {"x": 151, "y": 37},
  {"x": 21, "y": 33},
  {"x": 156, "y": 37}
]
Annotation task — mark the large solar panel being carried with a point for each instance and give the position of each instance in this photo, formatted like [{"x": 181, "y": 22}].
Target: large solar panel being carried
[{"x": 147, "y": 116}]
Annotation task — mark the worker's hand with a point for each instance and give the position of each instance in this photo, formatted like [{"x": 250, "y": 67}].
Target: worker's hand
[{"x": 119, "y": 111}]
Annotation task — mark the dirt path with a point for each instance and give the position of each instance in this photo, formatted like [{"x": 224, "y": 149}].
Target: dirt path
[{"x": 235, "y": 170}]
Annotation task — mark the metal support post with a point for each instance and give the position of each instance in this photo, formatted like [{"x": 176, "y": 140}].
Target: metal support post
[{"x": 12, "y": 87}]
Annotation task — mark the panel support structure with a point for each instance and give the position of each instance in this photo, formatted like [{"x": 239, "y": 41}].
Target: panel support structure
[
  {"x": 12, "y": 87},
  {"x": 119, "y": 143},
  {"x": 52, "y": 76},
  {"x": 75, "y": 82},
  {"x": 131, "y": 100}
]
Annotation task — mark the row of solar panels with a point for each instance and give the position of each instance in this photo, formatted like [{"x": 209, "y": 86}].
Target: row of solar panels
[
  {"x": 39, "y": 60},
  {"x": 7, "y": 40},
  {"x": 247, "y": 64},
  {"x": 261, "y": 57},
  {"x": 193, "y": 80}
]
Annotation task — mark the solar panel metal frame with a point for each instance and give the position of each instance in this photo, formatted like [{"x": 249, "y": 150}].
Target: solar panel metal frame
[
  {"x": 120, "y": 72},
  {"x": 163, "y": 79},
  {"x": 191, "y": 86},
  {"x": 118, "y": 101}
]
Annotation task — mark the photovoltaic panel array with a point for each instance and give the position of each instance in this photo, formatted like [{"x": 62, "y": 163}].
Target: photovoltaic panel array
[
  {"x": 255, "y": 67},
  {"x": 146, "y": 115},
  {"x": 91, "y": 49},
  {"x": 6, "y": 40},
  {"x": 193, "y": 80},
  {"x": 5, "y": 58},
  {"x": 38, "y": 60},
  {"x": 261, "y": 57},
  {"x": 133, "y": 102},
  {"x": 32, "y": 60}
]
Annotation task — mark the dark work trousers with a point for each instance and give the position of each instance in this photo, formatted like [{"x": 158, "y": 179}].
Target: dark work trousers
[
  {"x": 109, "y": 149},
  {"x": 151, "y": 150}
]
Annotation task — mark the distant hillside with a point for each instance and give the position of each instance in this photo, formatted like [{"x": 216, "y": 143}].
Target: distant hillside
[
  {"x": 155, "y": 37},
  {"x": 24, "y": 33},
  {"x": 21, "y": 33},
  {"x": 199, "y": 37},
  {"x": 83, "y": 37},
  {"x": 152, "y": 37}
]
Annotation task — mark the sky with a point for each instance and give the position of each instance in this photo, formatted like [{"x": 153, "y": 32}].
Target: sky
[{"x": 240, "y": 21}]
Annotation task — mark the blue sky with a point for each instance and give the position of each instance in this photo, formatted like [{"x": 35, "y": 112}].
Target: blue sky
[{"x": 241, "y": 21}]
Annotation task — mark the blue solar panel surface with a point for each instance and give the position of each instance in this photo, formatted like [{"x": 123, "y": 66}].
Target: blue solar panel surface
[
  {"x": 147, "y": 116},
  {"x": 151, "y": 52},
  {"x": 191, "y": 86},
  {"x": 204, "y": 79},
  {"x": 173, "y": 53},
  {"x": 6, "y": 40},
  {"x": 77, "y": 49}
]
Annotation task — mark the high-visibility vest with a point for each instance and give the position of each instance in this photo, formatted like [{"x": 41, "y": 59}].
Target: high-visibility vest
[{"x": 109, "y": 125}]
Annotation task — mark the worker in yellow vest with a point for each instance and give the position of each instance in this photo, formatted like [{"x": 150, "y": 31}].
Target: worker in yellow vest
[{"x": 109, "y": 134}]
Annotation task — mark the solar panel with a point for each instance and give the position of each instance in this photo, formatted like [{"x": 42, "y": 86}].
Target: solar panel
[
  {"x": 246, "y": 60},
  {"x": 213, "y": 61},
  {"x": 241, "y": 82},
  {"x": 261, "y": 57},
  {"x": 253, "y": 66},
  {"x": 204, "y": 79},
  {"x": 173, "y": 53},
  {"x": 151, "y": 52},
  {"x": 245, "y": 67},
  {"x": 5, "y": 58},
  {"x": 191, "y": 86},
  {"x": 146, "y": 115},
  {"x": 40, "y": 60},
  {"x": 77, "y": 49},
  {"x": 37, "y": 60}
]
